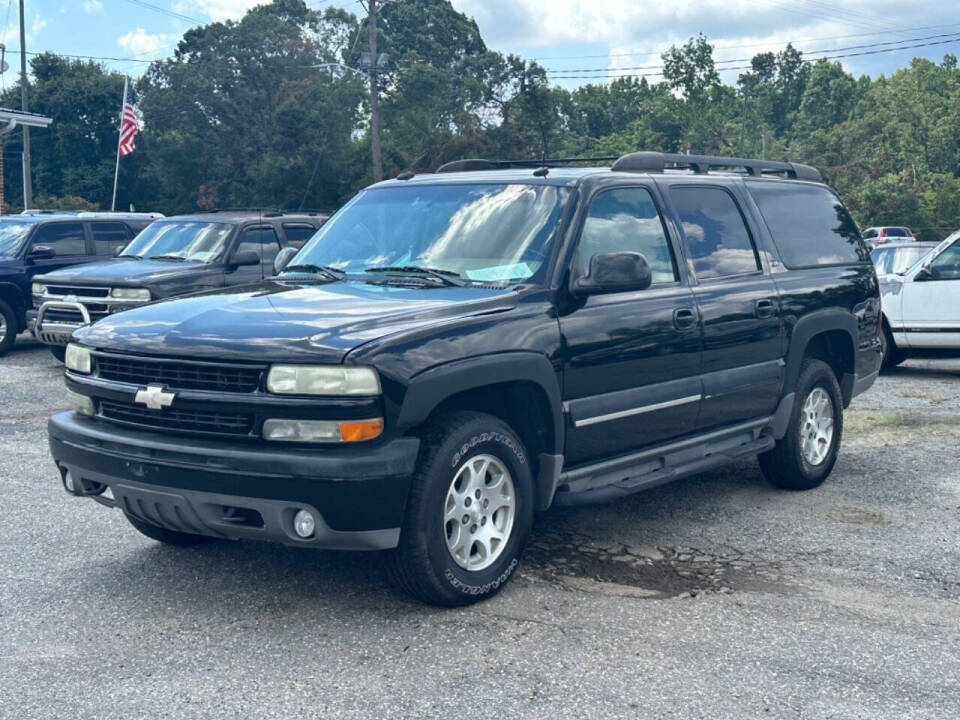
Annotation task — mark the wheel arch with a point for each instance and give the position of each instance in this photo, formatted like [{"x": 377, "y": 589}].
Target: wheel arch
[
  {"x": 520, "y": 388},
  {"x": 831, "y": 336}
]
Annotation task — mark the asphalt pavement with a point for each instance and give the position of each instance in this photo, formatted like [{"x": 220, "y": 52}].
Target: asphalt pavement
[{"x": 715, "y": 597}]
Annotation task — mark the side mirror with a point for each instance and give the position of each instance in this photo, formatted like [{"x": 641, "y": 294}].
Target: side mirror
[
  {"x": 924, "y": 274},
  {"x": 283, "y": 259},
  {"x": 246, "y": 257},
  {"x": 613, "y": 273},
  {"x": 41, "y": 252},
  {"x": 117, "y": 250}
]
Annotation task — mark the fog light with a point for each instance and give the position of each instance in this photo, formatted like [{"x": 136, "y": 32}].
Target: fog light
[
  {"x": 304, "y": 524},
  {"x": 81, "y": 403}
]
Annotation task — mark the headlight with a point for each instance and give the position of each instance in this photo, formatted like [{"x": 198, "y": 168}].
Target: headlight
[
  {"x": 38, "y": 289},
  {"x": 130, "y": 294},
  {"x": 81, "y": 403},
  {"x": 322, "y": 380},
  {"x": 322, "y": 431},
  {"x": 77, "y": 359}
]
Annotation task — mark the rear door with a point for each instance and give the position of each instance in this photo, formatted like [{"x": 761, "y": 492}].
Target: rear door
[
  {"x": 931, "y": 307},
  {"x": 742, "y": 368},
  {"x": 632, "y": 359},
  {"x": 109, "y": 237},
  {"x": 297, "y": 234}
]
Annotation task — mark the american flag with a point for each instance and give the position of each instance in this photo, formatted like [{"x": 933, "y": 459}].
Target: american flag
[{"x": 129, "y": 127}]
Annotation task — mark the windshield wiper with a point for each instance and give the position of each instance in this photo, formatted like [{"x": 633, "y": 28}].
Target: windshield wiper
[
  {"x": 168, "y": 257},
  {"x": 331, "y": 272},
  {"x": 447, "y": 277},
  {"x": 129, "y": 257}
]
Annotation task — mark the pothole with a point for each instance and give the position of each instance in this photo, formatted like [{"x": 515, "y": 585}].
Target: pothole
[{"x": 646, "y": 572}]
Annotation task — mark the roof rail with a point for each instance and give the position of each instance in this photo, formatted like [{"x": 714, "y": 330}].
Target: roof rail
[
  {"x": 471, "y": 164},
  {"x": 656, "y": 162}
]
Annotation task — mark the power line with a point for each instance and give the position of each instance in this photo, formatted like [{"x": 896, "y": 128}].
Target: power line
[
  {"x": 164, "y": 11},
  {"x": 954, "y": 35},
  {"x": 749, "y": 67},
  {"x": 635, "y": 52}
]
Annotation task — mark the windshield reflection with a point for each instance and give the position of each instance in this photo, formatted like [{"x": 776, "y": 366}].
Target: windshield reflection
[{"x": 196, "y": 241}]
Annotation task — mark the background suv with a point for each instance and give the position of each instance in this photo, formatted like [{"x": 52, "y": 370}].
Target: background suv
[
  {"x": 455, "y": 351},
  {"x": 176, "y": 256},
  {"x": 36, "y": 243}
]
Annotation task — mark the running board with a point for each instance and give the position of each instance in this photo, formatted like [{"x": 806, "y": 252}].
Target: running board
[{"x": 617, "y": 478}]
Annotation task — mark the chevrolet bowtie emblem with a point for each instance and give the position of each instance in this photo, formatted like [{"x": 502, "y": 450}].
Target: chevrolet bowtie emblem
[{"x": 154, "y": 397}]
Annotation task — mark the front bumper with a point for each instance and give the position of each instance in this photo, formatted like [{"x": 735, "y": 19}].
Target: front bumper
[{"x": 241, "y": 490}]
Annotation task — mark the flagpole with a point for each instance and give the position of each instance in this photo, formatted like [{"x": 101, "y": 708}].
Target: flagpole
[{"x": 116, "y": 169}]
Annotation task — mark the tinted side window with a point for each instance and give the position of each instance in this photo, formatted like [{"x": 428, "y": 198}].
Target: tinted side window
[
  {"x": 262, "y": 240},
  {"x": 870, "y": 233},
  {"x": 627, "y": 220},
  {"x": 64, "y": 238},
  {"x": 809, "y": 224},
  {"x": 716, "y": 238},
  {"x": 107, "y": 237},
  {"x": 297, "y": 235}
]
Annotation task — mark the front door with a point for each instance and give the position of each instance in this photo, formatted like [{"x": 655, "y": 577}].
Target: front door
[
  {"x": 68, "y": 241},
  {"x": 742, "y": 365},
  {"x": 631, "y": 359},
  {"x": 931, "y": 306}
]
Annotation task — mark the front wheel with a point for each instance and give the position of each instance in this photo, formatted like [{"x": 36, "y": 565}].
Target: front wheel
[
  {"x": 8, "y": 327},
  {"x": 892, "y": 355},
  {"x": 805, "y": 456},
  {"x": 60, "y": 353},
  {"x": 469, "y": 513}
]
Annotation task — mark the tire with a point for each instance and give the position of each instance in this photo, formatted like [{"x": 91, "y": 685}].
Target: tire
[
  {"x": 168, "y": 537},
  {"x": 8, "y": 327},
  {"x": 892, "y": 355},
  {"x": 423, "y": 564},
  {"x": 790, "y": 464},
  {"x": 60, "y": 353}
]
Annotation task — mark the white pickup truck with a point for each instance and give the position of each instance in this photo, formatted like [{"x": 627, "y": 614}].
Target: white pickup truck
[{"x": 921, "y": 307}]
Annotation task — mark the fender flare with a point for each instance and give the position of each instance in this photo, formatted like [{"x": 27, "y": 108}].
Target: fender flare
[
  {"x": 431, "y": 387},
  {"x": 810, "y": 326}
]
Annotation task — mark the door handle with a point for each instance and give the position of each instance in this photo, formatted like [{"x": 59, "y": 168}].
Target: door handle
[
  {"x": 684, "y": 318},
  {"x": 764, "y": 308}
]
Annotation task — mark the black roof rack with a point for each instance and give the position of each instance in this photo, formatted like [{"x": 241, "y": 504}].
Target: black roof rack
[
  {"x": 650, "y": 162},
  {"x": 656, "y": 162}
]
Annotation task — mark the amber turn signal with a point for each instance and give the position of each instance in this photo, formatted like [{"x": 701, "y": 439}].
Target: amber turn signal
[{"x": 360, "y": 430}]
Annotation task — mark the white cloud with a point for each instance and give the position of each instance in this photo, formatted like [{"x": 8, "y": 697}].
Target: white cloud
[
  {"x": 216, "y": 10},
  {"x": 92, "y": 6},
  {"x": 140, "y": 42}
]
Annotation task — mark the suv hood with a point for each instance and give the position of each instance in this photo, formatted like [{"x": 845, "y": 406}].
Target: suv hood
[
  {"x": 278, "y": 322},
  {"x": 144, "y": 273}
]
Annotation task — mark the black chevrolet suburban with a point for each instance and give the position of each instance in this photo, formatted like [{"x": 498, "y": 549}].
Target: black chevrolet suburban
[
  {"x": 453, "y": 352},
  {"x": 176, "y": 256},
  {"x": 41, "y": 241}
]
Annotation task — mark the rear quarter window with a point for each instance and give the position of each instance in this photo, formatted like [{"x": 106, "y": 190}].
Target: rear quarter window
[{"x": 809, "y": 224}]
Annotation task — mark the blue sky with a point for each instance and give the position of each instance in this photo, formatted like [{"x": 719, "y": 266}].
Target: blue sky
[{"x": 579, "y": 41}]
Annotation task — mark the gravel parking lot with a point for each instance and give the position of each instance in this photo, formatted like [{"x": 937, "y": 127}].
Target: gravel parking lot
[{"x": 716, "y": 597}]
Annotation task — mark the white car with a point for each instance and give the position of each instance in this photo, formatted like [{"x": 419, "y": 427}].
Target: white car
[{"x": 921, "y": 307}]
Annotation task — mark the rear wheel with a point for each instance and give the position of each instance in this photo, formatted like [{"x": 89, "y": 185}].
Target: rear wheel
[
  {"x": 168, "y": 537},
  {"x": 469, "y": 512},
  {"x": 805, "y": 456},
  {"x": 892, "y": 355},
  {"x": 60, "y": 353},
  {"x": 8, "y": 327}
]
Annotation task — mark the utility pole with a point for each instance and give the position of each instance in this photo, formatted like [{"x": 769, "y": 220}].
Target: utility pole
[
  {"x": 27, "y": 183},
  {"x": 374, "y": 93}
]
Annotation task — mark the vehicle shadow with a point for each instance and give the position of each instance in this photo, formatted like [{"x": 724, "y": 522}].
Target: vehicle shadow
[
  {"x": 273, "y": 581},
  {"x": 925, "y": 369}
]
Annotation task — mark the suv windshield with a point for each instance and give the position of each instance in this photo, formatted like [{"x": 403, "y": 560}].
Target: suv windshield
[
  {"x": 12, "y": 233},
  {"x": 484, "y": 233},
  {"x": 197, "y": 241}
]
